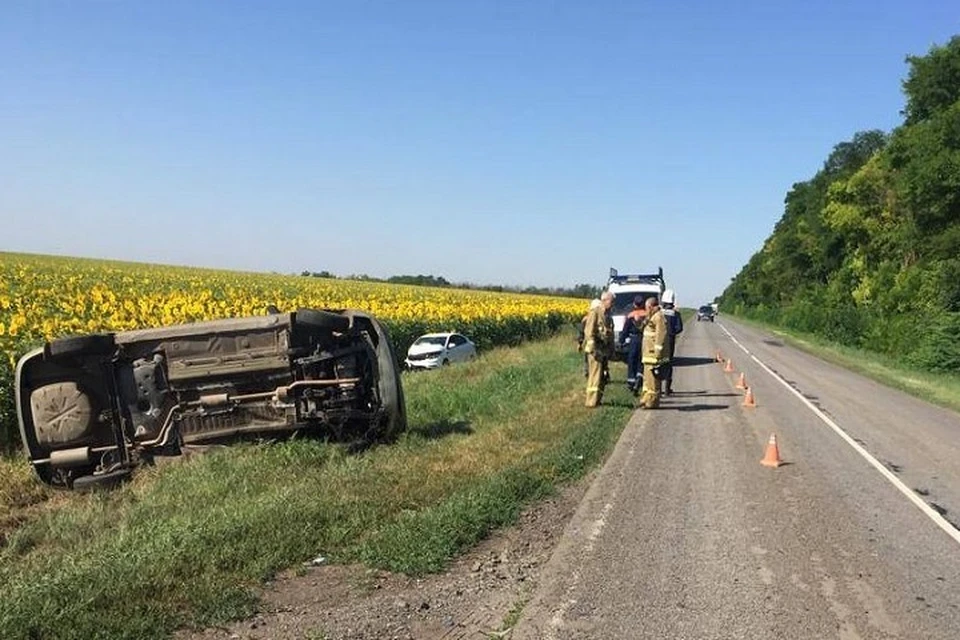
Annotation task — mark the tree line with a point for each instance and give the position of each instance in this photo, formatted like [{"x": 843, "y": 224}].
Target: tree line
[
  {"x": 586, "y": 291},
  {"x": 867, "y": 252}
]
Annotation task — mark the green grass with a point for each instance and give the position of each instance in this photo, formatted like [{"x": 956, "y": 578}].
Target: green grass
[
  {"x": 942, "y": 389},
  {"x": 188, "y": 542}
]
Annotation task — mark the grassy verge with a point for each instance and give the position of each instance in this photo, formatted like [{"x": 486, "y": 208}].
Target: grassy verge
[
  {"x": 939, "y": 388},
  {"x": 187, "y": 542}
]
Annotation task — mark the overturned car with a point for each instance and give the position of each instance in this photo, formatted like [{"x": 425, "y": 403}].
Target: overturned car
[{"x": 93, "y": 407}]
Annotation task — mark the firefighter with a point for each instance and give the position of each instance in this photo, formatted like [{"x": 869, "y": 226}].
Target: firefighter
[
  {"x": 674, "y": 328},
  {"x": 582, "y": 332},
  {"x": 598, "y": 346},
  {"x": 653, "y": 354},
  {"x": 630, "y": 339}
]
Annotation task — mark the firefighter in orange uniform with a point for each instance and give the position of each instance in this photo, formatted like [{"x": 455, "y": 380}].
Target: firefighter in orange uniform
[{"x": 630, "y": 338}]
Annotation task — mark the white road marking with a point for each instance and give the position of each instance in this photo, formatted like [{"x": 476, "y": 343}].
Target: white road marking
[{"x": 886, "y": 473}]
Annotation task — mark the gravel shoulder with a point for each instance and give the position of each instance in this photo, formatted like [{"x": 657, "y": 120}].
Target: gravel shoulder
[{"x": 474, "y": 598}]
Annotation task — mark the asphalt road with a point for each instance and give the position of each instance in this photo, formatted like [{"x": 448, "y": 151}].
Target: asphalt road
[{"x": 685, "y": 535}]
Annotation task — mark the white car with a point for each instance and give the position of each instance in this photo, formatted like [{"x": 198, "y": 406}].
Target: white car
[{"x": 439, "y": 349}]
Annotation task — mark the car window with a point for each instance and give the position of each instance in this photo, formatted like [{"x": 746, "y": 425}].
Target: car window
[
  {"x": 436, "y": 340},
  {"x": 623, "y": 302},
  {"x": 456, "y": 341}
]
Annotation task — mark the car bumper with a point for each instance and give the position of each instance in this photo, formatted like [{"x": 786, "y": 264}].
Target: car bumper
[{"x": 432, "y": 363}]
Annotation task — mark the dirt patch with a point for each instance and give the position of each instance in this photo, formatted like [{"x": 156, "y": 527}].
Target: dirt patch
[{"x": 472, "y": 599}]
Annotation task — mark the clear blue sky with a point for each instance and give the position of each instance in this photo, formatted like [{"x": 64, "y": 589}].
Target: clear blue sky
[{"x": 492, "y": 142}]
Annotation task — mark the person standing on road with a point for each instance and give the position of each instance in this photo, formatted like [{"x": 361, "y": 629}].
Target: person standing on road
[
  {"x": 674, "y": 328},
  {"x": 582, "y": 333},
  {"x": 598, "y": 345},
  {"x": 654, "y": 339},
  {"x": 630, "y": 339}
]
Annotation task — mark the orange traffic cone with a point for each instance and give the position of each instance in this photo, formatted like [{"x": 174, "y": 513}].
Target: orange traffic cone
[
  {"x": 729, "y": 367},
  {"x": 748, "y": 399},
  {"x": 772, "y": 456},
  {"x": 742, "y": 382}
]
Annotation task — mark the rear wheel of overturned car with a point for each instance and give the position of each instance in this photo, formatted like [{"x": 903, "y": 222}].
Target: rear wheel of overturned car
[
  {"x": 97, "y": 344},
  {"x": 391, "y": 390},
  {"x": 317, "y": 319}
]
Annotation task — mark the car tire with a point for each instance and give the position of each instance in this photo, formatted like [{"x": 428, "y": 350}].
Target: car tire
[
  {"x": 97, "y": 344},
  {"x": 109, "y": 480},
  {"x": 389, "y": 386},
  {"x": 322, "y": 320}
]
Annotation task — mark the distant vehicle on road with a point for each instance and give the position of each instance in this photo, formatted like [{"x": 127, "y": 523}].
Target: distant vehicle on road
[
  {"x": 706, "y": 312},
  {"x": 434, "y": 350}
]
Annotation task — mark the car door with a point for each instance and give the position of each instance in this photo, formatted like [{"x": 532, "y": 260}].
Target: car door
[
  {"x": 455, "y": 349},
  {"x": 469, "y": 349}
]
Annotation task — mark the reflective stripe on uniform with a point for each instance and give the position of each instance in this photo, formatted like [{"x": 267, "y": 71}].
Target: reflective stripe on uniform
[{"x": 590, "y": 389}]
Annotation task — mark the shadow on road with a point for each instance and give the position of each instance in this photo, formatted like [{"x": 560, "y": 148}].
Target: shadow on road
[
  {"x": 696, "y": 395},
  {"x": 691, "y": 361},
  {"x": 703, "y": 407}
]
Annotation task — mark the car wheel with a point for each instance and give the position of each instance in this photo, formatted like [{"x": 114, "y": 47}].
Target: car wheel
[
  {"x": 389, "y": 386},
  {"x": 445, "y": 362},
  {"x": 98, "y": 344},
  {"x": 322, "y": 320}
]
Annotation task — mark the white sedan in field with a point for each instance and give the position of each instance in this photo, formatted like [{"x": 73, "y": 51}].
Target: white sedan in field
[{"x": 439, "y": 349}]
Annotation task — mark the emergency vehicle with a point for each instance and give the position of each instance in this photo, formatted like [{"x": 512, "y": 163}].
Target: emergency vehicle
[{"x": 625, "y": 289}]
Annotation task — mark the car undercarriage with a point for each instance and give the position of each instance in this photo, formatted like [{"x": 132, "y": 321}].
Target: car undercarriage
[{"x": 93, "y": 407}]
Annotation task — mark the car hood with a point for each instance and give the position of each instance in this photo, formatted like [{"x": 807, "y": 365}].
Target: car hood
[{"x": 424, "y": 349}]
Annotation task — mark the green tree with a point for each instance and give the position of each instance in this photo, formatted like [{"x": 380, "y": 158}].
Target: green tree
[
  {"x": 933, "y": 83},
  {"x": 871, "y": 243}
]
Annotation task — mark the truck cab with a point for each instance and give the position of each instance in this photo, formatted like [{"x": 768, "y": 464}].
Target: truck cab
[{"x": 625, "y": 289}]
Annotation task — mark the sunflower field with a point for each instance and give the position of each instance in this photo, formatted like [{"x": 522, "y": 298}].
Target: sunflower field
[{"x": 44, "y": 297}]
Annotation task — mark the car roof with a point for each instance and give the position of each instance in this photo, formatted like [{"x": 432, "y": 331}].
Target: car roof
[
  {"x": 634, "y": 286},
  {"x": 442, "y": 334}
]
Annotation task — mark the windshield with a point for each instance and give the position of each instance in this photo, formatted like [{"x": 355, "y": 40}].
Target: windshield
[
  {"x": 435, "y": 340},
  {"x": 706, "y": 309},
  {"x": 623, "y": 302}
]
